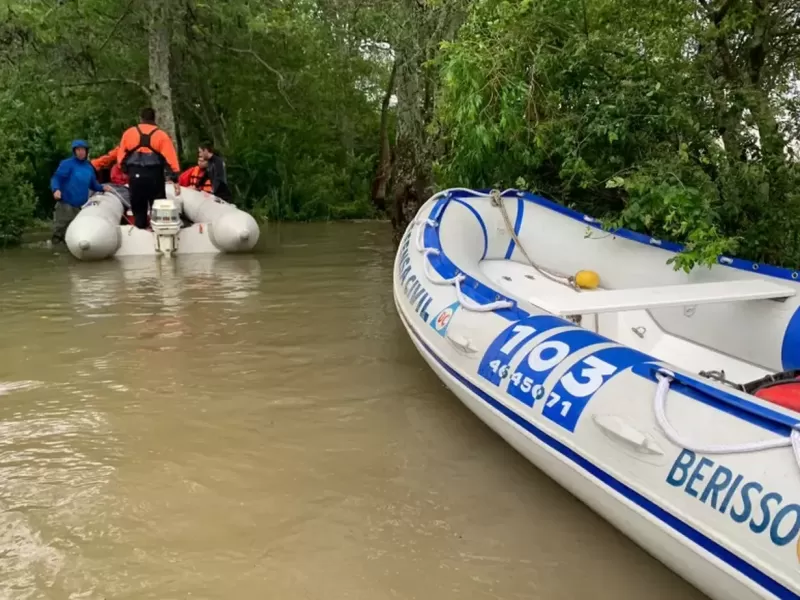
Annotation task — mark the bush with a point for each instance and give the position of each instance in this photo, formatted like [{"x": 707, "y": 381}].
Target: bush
[{"x": 17, "y": 198}]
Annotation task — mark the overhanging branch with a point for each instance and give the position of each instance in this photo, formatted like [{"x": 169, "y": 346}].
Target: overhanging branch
[
  {"x": 117, "y": 23},
  {"x": 132, "y": 82},
  {"x": 252, "y": 53}
]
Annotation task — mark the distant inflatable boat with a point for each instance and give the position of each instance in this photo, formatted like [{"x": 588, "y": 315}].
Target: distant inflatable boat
[
  {"x": 667, "y": 402},
  {"x": 104, "y": 227}
]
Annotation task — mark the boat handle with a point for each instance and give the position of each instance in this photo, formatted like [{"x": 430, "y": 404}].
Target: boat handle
[
  {"x": 620, "y": 430},
  {"x": 461, "y": 343}
]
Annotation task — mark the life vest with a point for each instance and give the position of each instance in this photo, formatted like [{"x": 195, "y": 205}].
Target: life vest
[
  {"x": 782, "y": 389},
  {"x": 198, "y": 179},
  {"x": 786, "y": 394},
  {"x": 143, "y": 154}
]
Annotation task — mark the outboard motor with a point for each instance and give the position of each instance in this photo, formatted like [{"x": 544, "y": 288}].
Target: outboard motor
[{"x": 166, "y": 223}]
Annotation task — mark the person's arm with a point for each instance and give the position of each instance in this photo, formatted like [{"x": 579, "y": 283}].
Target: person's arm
[
  {"x": 94, "y": 186},
  {"x": 106, "y": 161},
  {"x": 59, "y": 178},
  {"x": 163, "y": 145},
  {"x": 122, "y": 149}
]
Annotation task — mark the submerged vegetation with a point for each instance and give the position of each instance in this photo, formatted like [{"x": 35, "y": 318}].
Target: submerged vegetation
[{"x": 677, "y": 119}]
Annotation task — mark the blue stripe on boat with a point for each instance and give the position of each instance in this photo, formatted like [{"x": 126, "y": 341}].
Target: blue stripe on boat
[
  {"x": 477, "y": 215},
  {"x": 517, "y": 226}
]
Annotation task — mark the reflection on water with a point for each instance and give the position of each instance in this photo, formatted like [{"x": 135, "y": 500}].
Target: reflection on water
[{"x": 259, "y": 426}]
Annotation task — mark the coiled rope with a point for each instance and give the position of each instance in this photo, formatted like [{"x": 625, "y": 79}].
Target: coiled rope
[{"x": 497, "y": 200}]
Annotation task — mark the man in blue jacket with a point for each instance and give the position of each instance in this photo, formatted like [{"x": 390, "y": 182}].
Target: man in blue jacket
[{"x": 71, "y": 184}]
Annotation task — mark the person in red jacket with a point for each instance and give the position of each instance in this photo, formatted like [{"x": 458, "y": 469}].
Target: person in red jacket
[
  {"x": 117, "y": 176},
  {"x": 196, "y": 177}
]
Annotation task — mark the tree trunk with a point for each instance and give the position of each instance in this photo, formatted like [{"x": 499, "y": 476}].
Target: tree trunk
[
  {"x": 758, "y": 47},
  {"x": 384, "y": 169},
  {"x": 770, "y": 138},
  {"x": 159, "y": 63},
  {"x": 412, "y": 170},
  {"x": 413, "y": 163}
]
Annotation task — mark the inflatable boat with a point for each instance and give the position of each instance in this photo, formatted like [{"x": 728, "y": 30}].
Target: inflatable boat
[
  {"x": 193, "y": 222},
  {"x": 665, "y": 401}
]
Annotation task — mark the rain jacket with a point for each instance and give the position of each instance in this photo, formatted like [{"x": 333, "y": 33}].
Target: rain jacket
[{"x": 75, "y": 178}]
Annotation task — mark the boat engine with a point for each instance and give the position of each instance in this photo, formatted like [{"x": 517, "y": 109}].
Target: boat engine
[{"x": 166, "y": 224}]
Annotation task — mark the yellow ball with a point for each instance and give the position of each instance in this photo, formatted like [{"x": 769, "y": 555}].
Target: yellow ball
[{"x": 587, "y": 280}]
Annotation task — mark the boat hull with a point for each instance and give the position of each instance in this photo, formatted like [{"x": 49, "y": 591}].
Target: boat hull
[
  {"x": 96, "y": 233},
  {"x": 607, "y": 448},
  {"x": 230, "y": 229}
]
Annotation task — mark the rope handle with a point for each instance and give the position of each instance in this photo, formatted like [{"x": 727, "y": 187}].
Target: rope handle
[
  {"x": 664, "y": 379},
  {"x": 456, "y": 281}
]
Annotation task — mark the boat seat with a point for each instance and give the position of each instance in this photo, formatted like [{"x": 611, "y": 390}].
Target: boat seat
[{"x": 605, "y": 301}]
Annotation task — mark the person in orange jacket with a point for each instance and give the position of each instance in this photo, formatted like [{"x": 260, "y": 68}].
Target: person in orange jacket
[
  {"x": 106, "y": 161},
  {"x": 101, "y": 163},
  {"x": 147, "y": 156},
  {"x": 196, "y": 177}
]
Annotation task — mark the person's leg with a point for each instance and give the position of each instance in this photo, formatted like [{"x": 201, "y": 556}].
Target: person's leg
[
  {"x": 62, "y": 217},
  {"x": 73, "y": 212},
  {"x": 139, "y": 188},
  {"x": 159, "y": 188}
]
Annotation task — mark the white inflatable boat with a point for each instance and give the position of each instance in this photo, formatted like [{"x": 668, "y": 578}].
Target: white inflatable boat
[
  {"x": 638, "y": 395},
  {"x": 104, "y": 227}
]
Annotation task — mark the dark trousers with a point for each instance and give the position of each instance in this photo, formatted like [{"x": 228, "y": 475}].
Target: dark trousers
[
  {"x": 63, "y": 215},
  {"x": 146, "y": 186}
]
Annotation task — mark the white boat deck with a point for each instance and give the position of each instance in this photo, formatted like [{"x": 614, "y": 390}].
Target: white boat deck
[
  {"x": 605, "y": 301},
  {"x": 622, "y": 315}
]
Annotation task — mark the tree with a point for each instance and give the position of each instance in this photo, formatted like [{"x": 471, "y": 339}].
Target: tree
[
  {"x": 416, "y": 41},
  {"x": 285, "y": 93},
  {"x": 665, "y": 118},
  {"x": 159, "y": 58}
]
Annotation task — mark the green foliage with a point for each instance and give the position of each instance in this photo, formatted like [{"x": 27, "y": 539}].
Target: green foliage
[
  {"x": 647, "y": 115},
  {"x": 671, "y": 118},
  {"x": 17, "y": 199},
  {"x": 285, "y": 94}
]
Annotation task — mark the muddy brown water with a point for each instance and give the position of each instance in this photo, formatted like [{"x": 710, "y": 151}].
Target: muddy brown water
[{"x": 261, "y": 427}]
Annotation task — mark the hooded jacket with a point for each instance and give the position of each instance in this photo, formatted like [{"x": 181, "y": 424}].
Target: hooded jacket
[{"x": 74, "y": 178}]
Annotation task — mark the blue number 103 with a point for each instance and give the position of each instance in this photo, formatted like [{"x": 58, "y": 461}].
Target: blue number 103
[{"x": 495, "y": 365}]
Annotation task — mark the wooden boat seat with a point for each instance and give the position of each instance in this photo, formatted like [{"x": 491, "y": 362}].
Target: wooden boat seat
[{"x": 605, "y": 301}]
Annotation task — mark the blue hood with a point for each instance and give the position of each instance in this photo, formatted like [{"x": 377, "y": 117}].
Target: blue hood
[{"x": 80, "y": 144}]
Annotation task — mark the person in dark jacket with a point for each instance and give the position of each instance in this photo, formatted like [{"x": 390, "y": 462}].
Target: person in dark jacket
[
  {"x": 71, "y": 184},
  {"x": 215, "y": 171}
]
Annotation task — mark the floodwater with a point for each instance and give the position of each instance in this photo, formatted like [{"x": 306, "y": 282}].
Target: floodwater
[{"x": 260, "y": 427}]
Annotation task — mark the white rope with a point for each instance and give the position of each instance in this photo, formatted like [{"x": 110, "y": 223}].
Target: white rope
[
  {"x": 456, "y": 281},
  {"x": 421, "y": 233},
  {"x": 459, "y": 278},
  {"x": 664, "y": 378},
  {"x": 474, "y": 306},
  {"x": 497, "y": 200}
]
